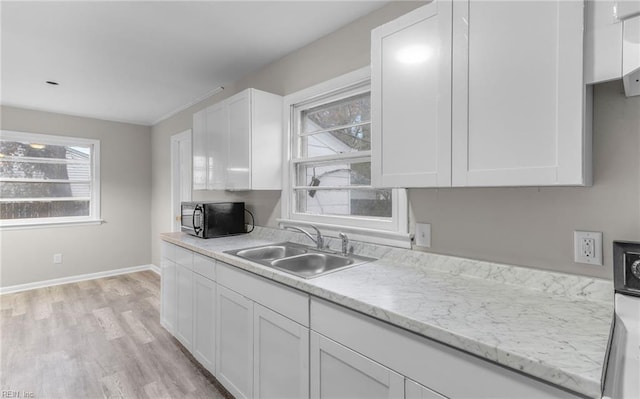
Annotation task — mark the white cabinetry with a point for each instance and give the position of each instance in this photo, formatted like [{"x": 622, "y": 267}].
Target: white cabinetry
[
  {"x": 204, "y": 321},
  {"x": 168, "y": 287},
  {"x": 184, "y": 303},
  {"x": 263, "y": 349},
  {"x": 512, "y": 88},
  {"x": 237, "y": 143},
  {"x": 411, "y": 99},
  {"x": 280, "y": 356},
  {"x": 338, "y": 372},
  {"x": 234, "y": 335}
]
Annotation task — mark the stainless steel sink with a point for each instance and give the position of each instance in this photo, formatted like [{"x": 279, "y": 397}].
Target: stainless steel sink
[
  {"x": 270, "y": 252},
  {"x": 300, "y": 260}
]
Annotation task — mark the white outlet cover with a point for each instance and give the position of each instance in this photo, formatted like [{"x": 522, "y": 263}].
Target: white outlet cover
[
  {"x": 423, "y": 235},
  {"x": 57, "y": 258},
  {"x": 579, "y": 256}
]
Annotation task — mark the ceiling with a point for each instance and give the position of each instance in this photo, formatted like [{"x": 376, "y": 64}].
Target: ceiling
[{"x": 140, "y": 62}]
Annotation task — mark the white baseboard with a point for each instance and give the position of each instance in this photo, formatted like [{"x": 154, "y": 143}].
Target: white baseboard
[
  {"x": 155, "y": 269},
  {"x": 75, "y": 279}
]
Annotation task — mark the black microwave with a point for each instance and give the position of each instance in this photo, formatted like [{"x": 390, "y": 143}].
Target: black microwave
[{"x": 213, "y": 219}]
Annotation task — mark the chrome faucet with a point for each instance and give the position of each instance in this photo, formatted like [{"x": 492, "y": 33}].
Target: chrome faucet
[
  {"x": 319, "y": 240},
  {"x": 345, "y": 244}
]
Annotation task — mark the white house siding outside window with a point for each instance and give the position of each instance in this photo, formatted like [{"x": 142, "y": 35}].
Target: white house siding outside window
[
  {"x": 46, "y": 179},
  {"x": 330, "y": 166}
]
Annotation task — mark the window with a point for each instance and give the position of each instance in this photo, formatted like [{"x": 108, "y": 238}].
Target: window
[
  {"x": 330, "y": 163},
  {"x": 48, "y": 179}
]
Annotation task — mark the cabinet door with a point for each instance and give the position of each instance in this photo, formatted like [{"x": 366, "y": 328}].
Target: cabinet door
[
  {"x": 217, "y": 128},
  {"x": 204, "y": 342},
  {"x": 280, "y": 356},
  {"x": 184, "y": 307},
  {"x": 168, "y": 304},
  {"x": 518, "y": 94},
  {"x": 413, "y": 390},
  {"x": 411, "y": 99},
  {"x": 239, "y": 161},
  {"x": 338, "y": 372},
  {"x": 234, "y": 342},
  {"x": 199, "y": 150}
]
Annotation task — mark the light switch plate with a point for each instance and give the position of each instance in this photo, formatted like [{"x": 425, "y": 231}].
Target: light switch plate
[
  {"x": 423, "y": 235},
  {"x": 587, "y": 247}
]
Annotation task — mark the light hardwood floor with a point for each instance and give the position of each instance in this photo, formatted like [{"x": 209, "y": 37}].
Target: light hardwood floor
[{"x": 94, "y": 339}]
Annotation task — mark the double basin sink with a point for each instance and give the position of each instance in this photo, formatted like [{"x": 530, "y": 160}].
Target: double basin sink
[{"x": 299, "y": 260}]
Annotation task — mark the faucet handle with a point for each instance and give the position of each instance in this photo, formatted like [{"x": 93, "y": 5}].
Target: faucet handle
[{"x": 345, "y": 243}]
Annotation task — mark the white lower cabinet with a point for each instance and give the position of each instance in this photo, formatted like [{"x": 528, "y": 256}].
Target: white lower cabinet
[
  {"x": 204, "y": 321},
  {"x": 184, "y": 309},
  {"x": 234, "y": 336},
  {"x": 339, "y": 372},
  {"x": 168, "y": 295},
  {"x": 280, "y": 356}
]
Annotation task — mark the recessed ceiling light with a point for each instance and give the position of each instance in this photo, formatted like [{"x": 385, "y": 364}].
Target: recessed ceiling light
[
  {"x": 36, "y": 146},
  {"x": 51, "y": 82}
]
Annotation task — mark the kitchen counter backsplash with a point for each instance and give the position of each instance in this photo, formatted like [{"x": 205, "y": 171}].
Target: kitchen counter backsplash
[{"x": 549, "y": 325}]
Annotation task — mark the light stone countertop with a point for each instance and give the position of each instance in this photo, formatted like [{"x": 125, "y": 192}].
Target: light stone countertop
[{"x": 548, "y": 325}]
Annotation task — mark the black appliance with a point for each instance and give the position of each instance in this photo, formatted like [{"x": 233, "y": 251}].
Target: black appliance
[{"x": 213, "y": 219}]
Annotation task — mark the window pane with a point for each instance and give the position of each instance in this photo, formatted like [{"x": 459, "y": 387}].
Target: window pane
[
  {"x": 40, "y": 150},
  {"x": 354, "y": 202},
  {"x": 43, "y": 209},
  {"x": 349, "y": 111},
  {"x": 44, "y": 190},
  {"x": 45, "y": 170},
  {"x": 336, "y": 173},
  {"x": 340, "y": 141}
]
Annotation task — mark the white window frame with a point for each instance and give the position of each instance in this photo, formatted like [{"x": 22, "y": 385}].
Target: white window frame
[
  {"x": 94, "y": 204},
  {"x": 393, "y": 231}
]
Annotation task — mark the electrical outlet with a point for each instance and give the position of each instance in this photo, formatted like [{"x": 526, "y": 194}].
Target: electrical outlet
[
  {"x": 587, "y": 247},
  {"x": 423, "y": 235},
  {"x": 57, "y": 258}
]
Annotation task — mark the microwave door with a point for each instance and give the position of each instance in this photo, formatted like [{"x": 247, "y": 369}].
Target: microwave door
[{"x": 196, "y": 220}]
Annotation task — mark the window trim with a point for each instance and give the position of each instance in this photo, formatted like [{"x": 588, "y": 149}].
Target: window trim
[
  {"x": 94, "y": 208},
  {"x": 392, "y": 232}
]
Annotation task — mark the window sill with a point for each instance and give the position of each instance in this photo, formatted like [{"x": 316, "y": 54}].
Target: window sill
[
  {"x": 372, "y": 236},
  {"x": 46, "y": 225}
]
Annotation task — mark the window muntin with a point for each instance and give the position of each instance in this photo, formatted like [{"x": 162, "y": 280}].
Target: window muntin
[
  {"x": 331, "y": 165},
  {"x": 47, "y": 179}
]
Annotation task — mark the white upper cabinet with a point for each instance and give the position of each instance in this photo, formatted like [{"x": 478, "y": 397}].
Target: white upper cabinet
[
  {"x": 237, "y": 143},
  {"x": 518, "y": 94},
  {"x": 411, "y": 99},
  {"x": 495, "y": 99}
]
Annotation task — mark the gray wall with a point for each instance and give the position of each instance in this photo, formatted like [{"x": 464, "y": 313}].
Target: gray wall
[
  {"x": 125, "y": 176},
  {"x": 523, "y": 226}
]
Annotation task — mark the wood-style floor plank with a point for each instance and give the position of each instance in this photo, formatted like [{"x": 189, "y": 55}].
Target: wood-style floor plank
[{"x": 96, "y": 339}]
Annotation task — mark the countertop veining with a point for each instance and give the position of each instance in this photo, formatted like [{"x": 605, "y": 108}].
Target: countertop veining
[{"x": 549, "y": 325}]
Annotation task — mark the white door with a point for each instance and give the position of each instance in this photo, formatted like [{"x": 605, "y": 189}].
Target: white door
[
  {"x": 280, "y": 356},
  {"x": 184, "y": 307},
  {"x": 234, "y": 342},
  {"x": 339, "y": 372},
  {"x": 518, "y": 93},
  {"x": 204, "y": 338},
  {"x": 180, "y": 175},
  {"x": 411, "y": 99}
]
